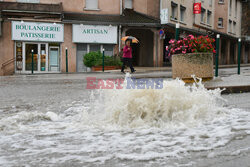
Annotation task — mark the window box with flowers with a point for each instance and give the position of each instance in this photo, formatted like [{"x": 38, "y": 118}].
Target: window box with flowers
[{"x": 192, "y": 56}]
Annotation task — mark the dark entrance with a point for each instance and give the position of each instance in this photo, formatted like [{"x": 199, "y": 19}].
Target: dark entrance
[{"x": 143, "y": 51}]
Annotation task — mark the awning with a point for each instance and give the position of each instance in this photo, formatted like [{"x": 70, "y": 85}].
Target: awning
[{"x": 128, "y": 18}]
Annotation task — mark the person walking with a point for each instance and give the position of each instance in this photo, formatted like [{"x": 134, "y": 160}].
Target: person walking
[{"x": 127, "y": 56}]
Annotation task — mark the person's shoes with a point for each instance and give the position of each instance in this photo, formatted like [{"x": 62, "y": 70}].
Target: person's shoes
[
  {"x": 123, "y": 72},
  {"x": 133, "y": 71}
]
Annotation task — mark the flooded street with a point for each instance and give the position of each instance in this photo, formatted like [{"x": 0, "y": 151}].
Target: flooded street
[{"x": 47, "y": 120}]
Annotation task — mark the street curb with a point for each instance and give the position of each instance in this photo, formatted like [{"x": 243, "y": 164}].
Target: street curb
[{"x": 232, "y": 89}]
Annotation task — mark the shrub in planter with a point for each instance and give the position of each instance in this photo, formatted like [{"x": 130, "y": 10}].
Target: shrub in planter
[
  {"x": 92, "y": 58},
  {"x": 192, "y": 56}
]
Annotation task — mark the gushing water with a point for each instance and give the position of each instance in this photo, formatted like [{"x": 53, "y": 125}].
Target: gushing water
[{"x": 116, "y": 125}]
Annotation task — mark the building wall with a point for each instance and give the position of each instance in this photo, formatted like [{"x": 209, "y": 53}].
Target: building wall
[
  {"x": 6, "y": 49},
  {"x": 234, "y": 16},
  {"x": 221, "y": 12},
  {"x": 71, "y": 50}
]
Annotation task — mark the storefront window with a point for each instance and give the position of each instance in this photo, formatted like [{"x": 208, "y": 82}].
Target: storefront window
[
  {"x": 28, "y": 56},
  {"x": 43, "y": 57},
  {"x": 109, "y": 50},
  {"x": 19, "y": 56},
  {"x": 94, "y": 48}
]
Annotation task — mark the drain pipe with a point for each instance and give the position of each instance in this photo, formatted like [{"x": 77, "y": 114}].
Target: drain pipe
[
  {"x": 121, "y": 4},
  {"x": 119, "y": 38},
  {"x": 120, "y": 27}
]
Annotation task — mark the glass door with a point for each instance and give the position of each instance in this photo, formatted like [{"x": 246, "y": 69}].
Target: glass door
[
  {"x": 29, "y": 47},
  {"x": 43, "y": 57},
  {"x": 54, "y": 58},
  {"x": 40, "y": 56}
]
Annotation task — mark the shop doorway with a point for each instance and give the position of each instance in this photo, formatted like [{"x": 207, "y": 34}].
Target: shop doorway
[
  {"x": 54, "y": 53},
  {"x": 46, "y": 57},
  {"x": 143, "y": 51},
  {"x": 29, "y": 48}
]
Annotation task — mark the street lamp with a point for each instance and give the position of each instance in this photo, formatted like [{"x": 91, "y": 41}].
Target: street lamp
[
  {"x": 239, "y": 55},
  {"x": 217, "y": 54}
]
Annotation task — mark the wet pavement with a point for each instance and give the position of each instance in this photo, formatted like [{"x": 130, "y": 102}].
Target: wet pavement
[{"x": 43, "y": 122}]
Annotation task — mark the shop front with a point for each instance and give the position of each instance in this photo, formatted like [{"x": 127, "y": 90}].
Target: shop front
[
  {"x": 37, "y": 43},
  {"x": 93, "y": 38}
]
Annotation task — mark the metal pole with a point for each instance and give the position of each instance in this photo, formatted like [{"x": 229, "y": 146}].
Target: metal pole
[
  {"x": 217, "y": 54},
  {"x": 239, "y": 55},
  {"x": 66, "y": 60},
  {"x": 103, "y": 60},
  {"x": 32, "y": 61},
  {"x": 177, "y": 29}
]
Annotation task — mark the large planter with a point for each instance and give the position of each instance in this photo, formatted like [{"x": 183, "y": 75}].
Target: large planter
[
  {"x": 99, "y": 68},
  {"x": 198, "y": 64}
]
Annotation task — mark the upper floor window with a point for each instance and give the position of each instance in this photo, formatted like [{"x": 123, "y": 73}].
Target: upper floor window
[
  {"x": 203, "y": 11},
  {"x": 183, "y": 11},
  {"x": 230, "y": 26},
  {"x": 234, "y": 27},
  {"x": 174, "y": 9},
  {"x": 210, "y": 2},
  {"x": 230, "y": 7},
  {"x": 91, "y": 4},
  {"x": 236, "y": 9},
  {"x": 209, "y": 13},
  {"x": 29, "y": 1},
  {"x": 221, "y": 1},
  {"x": 128, "y": 4},
  {"x": 220, "y": 22}
]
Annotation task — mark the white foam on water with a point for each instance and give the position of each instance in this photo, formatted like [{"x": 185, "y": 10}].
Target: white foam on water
[{"x": 135, "y": 125}]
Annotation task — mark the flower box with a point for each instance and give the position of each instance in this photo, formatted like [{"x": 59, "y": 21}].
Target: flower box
[
  {"x": 99, "y": 68},
  {"x": 198, "y": 64}
]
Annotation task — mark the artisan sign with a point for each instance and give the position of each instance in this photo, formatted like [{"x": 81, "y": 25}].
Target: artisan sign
[
  {"x": 94, "y": 34},
  {"x": 34, "y": 31}
]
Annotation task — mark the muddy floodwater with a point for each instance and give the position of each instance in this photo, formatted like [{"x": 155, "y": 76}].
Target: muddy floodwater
[{"x": 46, "y": 121}]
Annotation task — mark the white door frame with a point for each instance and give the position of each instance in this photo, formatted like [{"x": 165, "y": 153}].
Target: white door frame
[{"x": 58, "y": 56}]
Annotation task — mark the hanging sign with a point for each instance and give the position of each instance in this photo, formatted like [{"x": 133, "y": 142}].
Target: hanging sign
[
  {"x": 197, "y": 8},
  {"x": 164, "y": 16}
]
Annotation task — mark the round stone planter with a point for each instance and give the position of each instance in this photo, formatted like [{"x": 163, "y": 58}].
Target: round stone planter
[{"x": 198, "y": 64}]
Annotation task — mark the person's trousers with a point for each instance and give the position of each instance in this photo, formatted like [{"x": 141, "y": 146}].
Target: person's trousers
[{"x": 128, "y": 62}]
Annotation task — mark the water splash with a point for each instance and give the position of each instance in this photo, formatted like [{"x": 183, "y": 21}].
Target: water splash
[{"x": 174, "y": 105}]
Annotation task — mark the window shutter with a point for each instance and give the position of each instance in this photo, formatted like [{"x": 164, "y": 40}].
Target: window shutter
[{"x": 92, "y": 4}]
